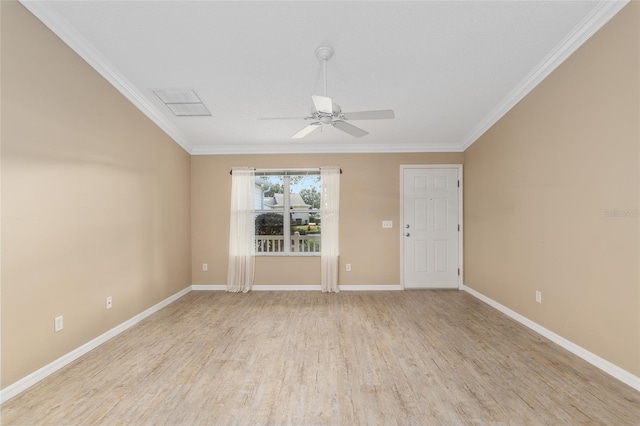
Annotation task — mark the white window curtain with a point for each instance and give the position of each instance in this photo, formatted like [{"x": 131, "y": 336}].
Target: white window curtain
[
  {"x": 329, "y": 237},
  {"x": 241, "y": 231}
]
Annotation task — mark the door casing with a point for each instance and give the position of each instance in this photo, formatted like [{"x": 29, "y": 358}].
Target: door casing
[{"x": 460, "y": 216}]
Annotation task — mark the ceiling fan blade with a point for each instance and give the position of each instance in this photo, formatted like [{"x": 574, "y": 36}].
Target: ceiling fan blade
[
  {"x": 282, "y": 118},
  {"x": 383, "y": 114},
  {"x": 304, "y": 132},
  {"x": 349, "y": 128},
  {"x": 323, "y": 104}
]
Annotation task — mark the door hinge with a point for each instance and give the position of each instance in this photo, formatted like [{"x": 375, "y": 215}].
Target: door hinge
[
  {"x": 458, "y": 227},
  {"x": 458, "y": 184},
  {"x": 458, "y": 271}
]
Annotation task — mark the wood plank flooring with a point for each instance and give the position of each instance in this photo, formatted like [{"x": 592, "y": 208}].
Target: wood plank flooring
[{"x": 307, "y": 358}]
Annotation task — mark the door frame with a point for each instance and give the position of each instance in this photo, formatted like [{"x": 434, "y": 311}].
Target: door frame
[{"x": 404, "y": 167}]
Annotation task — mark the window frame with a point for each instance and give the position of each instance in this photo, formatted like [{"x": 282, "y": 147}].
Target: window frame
[{"x": 286, "y": 209}]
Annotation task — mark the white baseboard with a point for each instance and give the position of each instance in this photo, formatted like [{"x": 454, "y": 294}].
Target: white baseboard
[
  {"x": 370, "y": 287},
  {"x": 209, "y": 287},
  {"x": 313, "y": 287},
  {"x": 33, "y": 378},
  {"x": 25, "y": 383},
  {"x": 604, "y": 365},
  {"x": 282, "y": 287},
  {"x": 223, "y": 287}
]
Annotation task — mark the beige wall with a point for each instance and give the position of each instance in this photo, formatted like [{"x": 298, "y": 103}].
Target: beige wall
[
  {"x": 0, "y": 198},
  {"x": 369, "y": 194},
  {"x": 538, "y": 186},
  {"x": 95, "y": 201}
]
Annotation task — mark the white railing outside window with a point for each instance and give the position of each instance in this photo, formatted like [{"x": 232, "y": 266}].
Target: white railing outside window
[{"x": 299, "y": 243}]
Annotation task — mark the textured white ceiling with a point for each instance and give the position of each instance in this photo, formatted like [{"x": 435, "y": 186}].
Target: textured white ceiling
[{"x": 449, "y": 70}]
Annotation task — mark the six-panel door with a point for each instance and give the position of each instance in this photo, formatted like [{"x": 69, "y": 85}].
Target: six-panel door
[{"x": 430, "y": 228}]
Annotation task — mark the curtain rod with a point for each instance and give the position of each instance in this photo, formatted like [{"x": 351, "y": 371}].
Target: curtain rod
[{"x": 286, "y": 171}]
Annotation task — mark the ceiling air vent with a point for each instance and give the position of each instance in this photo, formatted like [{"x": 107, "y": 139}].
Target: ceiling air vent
[{"x": 183, "y": 102}]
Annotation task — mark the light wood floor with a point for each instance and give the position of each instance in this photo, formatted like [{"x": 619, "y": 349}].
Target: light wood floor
[{"x": 413, "y": 357}]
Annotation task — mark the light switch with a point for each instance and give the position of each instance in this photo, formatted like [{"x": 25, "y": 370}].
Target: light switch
[{"x": 387, "y": 224}]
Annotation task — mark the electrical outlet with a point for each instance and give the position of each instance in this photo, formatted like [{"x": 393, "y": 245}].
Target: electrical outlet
[
  {"x": 348, "y": 267},
  {"x": 109, "y": 302},
  {"x": 205, "y": 267},
  {"x": 58, "y": 324},
  {"x": 539, "y": 296}
]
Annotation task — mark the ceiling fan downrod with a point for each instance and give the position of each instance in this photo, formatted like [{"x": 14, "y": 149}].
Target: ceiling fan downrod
[
  {"x": 324, "y": 53},
  {"x": 324, "y": 71}
]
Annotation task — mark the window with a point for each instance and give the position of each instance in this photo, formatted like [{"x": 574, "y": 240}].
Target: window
[{"x": 287, "y": 207}]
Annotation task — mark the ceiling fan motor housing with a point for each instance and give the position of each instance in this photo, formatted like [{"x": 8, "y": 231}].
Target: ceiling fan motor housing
[{"x": 326, "y": 118}]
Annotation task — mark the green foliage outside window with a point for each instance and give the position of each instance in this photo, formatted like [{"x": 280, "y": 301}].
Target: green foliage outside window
[{"x": 269, "y": 224}]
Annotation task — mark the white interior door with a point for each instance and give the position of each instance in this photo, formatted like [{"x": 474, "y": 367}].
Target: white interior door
[{"x": 431, "y": 227}]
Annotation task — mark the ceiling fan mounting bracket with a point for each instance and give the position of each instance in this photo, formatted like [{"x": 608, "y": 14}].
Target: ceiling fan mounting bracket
[{"x": 324, "y": 53}]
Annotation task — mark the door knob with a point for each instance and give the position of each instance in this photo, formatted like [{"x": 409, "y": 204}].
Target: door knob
[
  {"x": 408, "y": 226},
  {"x": 408, "y": 234}
]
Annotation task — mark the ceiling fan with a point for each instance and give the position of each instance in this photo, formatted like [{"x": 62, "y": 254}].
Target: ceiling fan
[{"x": 326, "y": 113}]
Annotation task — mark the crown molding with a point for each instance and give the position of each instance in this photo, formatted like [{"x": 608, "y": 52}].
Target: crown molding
[
  {"x": 599, "y": 16},
  {"x": 47, "y": 14},
  {"x": 325, "y": 148}
]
